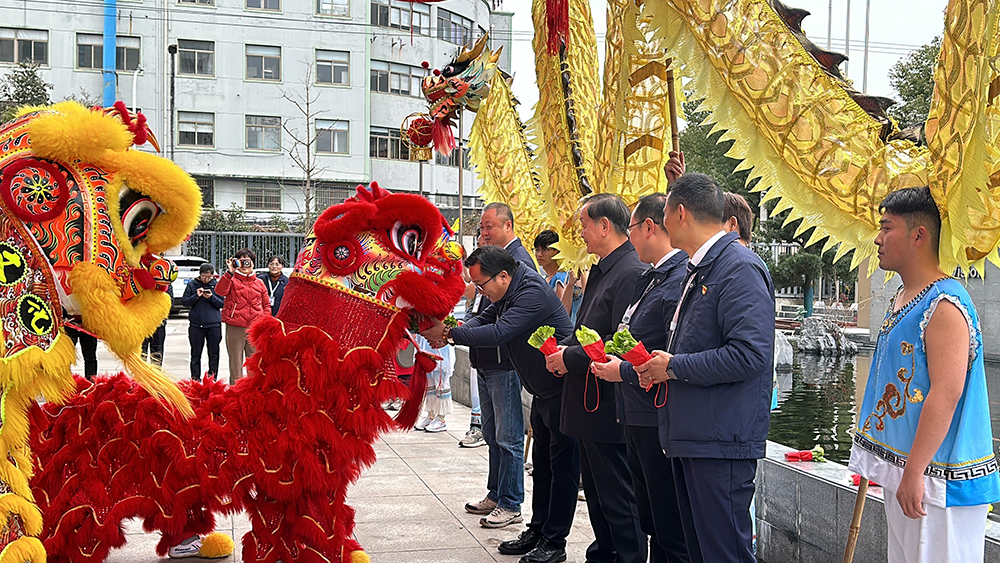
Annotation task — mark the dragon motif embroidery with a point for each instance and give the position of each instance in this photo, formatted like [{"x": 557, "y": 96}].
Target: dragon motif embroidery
[{"x": 893, "y": 403}]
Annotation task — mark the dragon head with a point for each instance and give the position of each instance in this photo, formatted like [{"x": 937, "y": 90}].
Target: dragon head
[
  {"x": 84, "y": 218},
  {"x": 464, "y": 83},
  {"x": 375, "y": 256}
]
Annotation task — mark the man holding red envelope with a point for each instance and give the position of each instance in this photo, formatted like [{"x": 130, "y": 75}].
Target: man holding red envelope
[{"x": 653, "y": 303}]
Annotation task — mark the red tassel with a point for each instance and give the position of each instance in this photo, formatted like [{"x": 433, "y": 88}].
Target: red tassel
[
  {"x": 557, "y": 18},
  {"x": 444, "y": 137},
  {"x": 408, "y": 414}
]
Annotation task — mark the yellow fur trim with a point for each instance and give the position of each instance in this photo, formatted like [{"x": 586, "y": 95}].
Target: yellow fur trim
[
  {"x": 359, "y": 557},
  {"x": 74, "y": 132},
  {"x": 31, "y": 517},
  {"x": 157, "y": 382},
  {"x": 216, "y": 545},
  {"x": 172, "y": 189},
  {"x": 47, "y": 369},
  {"x": 23, "y": 550},
  {"x": 122, "y": 326}
]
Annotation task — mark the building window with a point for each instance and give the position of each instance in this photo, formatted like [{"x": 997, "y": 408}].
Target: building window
[
  {"x": 454, "y": 28},
  {"x": 263, "y": 133},
  {"x": 196, "y": 129},
  {"x": 472, "y": 202},
  {"x": 386, "y": 143},
  {"x": 333, "y": 137},
  {"x": 393, "y": 78},
  {"x": 402, "y": 15},
  {"x": 263, "y": 196},
  {"x": 196, "y": 57},
  {"x": 269, "y": 5},
  {"x": 452, "y": 158},
  {"x": 263, "y": 63},
  {"x": 326, "y": 195},
  {"x": 333, "y": 7},
  {"x": 24, "y": 46},
  {"x": 197, "y": 2},
  {"x": 207, "y": 186},
  {"x": 90, "y": 52},
  {"x": 333, "y": 67},
  {"x": 127, "y": 53}
]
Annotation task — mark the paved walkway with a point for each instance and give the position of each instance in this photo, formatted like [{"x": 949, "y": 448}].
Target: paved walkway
[{"x": 409, "y": 504}]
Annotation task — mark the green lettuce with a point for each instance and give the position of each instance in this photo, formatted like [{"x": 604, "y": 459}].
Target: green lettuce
[
  {"x": 587, "y": 336},
  {"x": 621, "y": 343},
  {"x": 541, "y": 335}
]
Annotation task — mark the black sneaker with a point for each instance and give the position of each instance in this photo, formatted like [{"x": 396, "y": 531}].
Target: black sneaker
[
  {"x": 544, "y": 553},
  {"x": 523, "y": 544}
]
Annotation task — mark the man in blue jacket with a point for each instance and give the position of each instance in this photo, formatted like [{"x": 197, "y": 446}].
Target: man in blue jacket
[
  {"x": 205, "y": 319},
  {"x": 653, "y": 303},
  {"x": 500, "y": 393},
  {"x": 521, "y": 302},
  {"x": 717, "y": 365}
]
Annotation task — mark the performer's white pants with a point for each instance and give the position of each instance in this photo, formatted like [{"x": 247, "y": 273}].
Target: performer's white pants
[{"x": 946, "y": 535}]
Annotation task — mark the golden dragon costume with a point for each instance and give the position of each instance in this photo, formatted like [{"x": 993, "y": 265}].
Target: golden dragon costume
[{"x": 823, "y": 150}]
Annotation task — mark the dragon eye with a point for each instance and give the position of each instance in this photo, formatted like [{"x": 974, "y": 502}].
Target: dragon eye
[
  {"x": 407, "y": 239},
  {"x": 137, "y": 214}
]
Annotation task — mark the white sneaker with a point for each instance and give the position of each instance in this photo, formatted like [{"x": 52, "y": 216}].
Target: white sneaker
[
  {"x": 473, "y": 438},
  {"x": 436, "y": 425},
  {"x": 500, "y": 518},
  {"x": 190, "y": 547},
  {"x": 422, "y": 423}
]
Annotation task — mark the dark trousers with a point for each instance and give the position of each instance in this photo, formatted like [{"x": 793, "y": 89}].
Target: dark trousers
[
  {"x": 198, "y": 336},
  {"x": 88, "y": 347},
  {"x": 555, "y": 461},
  {"x": 714, "y": 499},
  {"x": 152, "y": 347},
  {"x": 655, "y": 496},
  {"x": 611, "y": 504}
]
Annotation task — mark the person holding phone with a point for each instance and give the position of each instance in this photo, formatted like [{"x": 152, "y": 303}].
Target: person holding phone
[
  {"x": 205, "y": 319},
  {"x": 245, "y": 299}
]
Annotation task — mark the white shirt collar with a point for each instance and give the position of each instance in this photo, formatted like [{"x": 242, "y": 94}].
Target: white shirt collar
[
  {"x": 700, "y": 255},
  {"x": 665, "y": 258},
  {"x": 506, "y": 246}
]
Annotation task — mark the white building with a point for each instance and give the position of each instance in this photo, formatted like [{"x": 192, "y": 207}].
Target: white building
[{"x": 218, "y": 105}]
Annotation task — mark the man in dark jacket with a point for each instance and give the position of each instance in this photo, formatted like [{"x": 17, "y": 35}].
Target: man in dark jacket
[
  {"x": 521, "y": 302},
  {"x": 500, "y": 393},
  {"x": 603, "y": 460},
  {"x": 653, "y": 303},
  {"x": 718, "y": 364},
  {"x": 275, "y": 282},
  {"x": 205, "y": 317}
]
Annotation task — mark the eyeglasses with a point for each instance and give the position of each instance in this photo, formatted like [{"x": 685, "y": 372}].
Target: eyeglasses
[
  {"x": 633, "y": 225},
  {"x": 479, "y": 286}
]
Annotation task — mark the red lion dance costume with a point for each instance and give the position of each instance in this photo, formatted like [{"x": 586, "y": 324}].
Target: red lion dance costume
[{"x": 283, "y": 443}]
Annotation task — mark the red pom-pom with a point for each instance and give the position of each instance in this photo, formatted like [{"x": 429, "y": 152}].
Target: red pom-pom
[
  {"x": 425, "y": 64},
  {"x": 437, "y": 72}
]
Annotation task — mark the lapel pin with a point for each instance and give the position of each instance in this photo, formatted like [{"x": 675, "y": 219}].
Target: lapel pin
[{"x": 704, "y": 290}]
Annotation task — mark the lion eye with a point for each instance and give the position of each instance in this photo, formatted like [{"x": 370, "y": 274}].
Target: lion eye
[
  {"x": 408, "y": 239},
  {"x": 137, "y": 214}
]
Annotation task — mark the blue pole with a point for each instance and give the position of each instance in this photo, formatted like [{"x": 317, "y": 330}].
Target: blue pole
[{"x": 110, "y": 44}]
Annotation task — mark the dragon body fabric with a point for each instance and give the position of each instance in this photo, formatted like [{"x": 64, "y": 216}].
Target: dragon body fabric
[
  {"x": 82, "y": 219},
  {"x": 284, "y": 443},
  {"x": 828, "y": 153}
]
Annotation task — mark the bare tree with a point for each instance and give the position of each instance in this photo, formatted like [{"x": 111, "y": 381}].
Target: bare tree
[{"x": 302, "y": 150}]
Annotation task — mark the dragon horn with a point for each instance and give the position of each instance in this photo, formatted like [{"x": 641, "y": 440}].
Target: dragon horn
[
  {"x": 495, "y": 56},
  {"x": 476, "y": 50}
]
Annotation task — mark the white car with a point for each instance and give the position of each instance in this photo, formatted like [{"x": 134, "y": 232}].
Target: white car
[{"x": 187, "y": 269}]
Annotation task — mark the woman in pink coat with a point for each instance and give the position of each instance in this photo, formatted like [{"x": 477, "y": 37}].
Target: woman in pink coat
[{"x": 246, "y": 299}]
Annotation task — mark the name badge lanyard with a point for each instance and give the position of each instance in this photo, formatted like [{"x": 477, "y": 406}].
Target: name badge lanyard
[
  {"x": 677, "y": 311},
  {"x": 271, "y": 289},
  {"x": 627, "y": 317}
]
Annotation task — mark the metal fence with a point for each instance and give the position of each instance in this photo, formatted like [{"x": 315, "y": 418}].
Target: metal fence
[{"x": 216, "y": 246}]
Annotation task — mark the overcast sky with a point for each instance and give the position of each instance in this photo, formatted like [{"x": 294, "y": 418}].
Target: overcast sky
[{"x": 896, "y": 29}]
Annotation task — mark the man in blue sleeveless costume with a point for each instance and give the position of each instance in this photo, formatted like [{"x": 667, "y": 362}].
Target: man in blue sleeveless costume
[{"x": 923, "y": 430}]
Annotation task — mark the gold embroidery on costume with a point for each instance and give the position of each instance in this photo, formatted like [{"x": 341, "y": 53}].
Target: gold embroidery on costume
[{"x": 893, "y": 403}]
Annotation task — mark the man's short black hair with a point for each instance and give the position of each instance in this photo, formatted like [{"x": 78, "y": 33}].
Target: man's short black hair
[
  {"x": 492, "y": 260},
  {"x": 651, "y": 207},
  {"x": 546, "y": 239},
  {"x": 735, "y": 205},
  {"x": 502, "y": 210},
  {"x": 917, "y": 207},
  {"x": 206, "y": 268},
  {"x": 246, "y": 253},
  {"x": 278, "y": 258},
  {"x": 700, "y": 195},
  {"x": 610, "y": 207}
]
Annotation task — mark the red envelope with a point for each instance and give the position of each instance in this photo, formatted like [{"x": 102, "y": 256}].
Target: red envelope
[
  {"x": 637, "y": 356},
  {"x": 802, "y": 455}
]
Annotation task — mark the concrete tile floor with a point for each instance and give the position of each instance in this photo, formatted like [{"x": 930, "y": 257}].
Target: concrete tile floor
[{"x": 409, "y": 505}]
